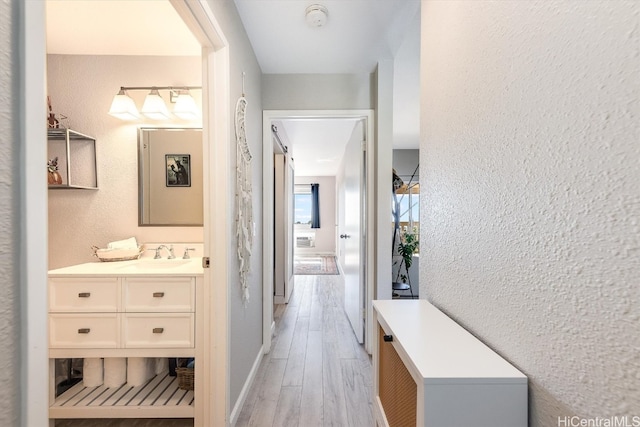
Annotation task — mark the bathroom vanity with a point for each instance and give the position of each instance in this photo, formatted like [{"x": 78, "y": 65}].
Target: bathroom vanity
[{"x": 142, "y": 308}]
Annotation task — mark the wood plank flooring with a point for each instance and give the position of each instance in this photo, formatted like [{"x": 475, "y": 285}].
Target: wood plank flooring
[{"x": 316, "y": 374}]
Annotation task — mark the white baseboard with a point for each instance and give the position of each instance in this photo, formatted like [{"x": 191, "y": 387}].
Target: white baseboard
[{"x": 235, "y": 413}]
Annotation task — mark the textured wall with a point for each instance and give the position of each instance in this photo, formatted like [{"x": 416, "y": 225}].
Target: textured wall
[
  {"x": 530, "y": 204},
  {"x": 82, "y": 87},
  {"x": 9, "y": 208}
]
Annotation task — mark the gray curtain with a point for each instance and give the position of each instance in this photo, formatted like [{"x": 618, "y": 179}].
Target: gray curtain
[{"x": 315, "y": 205}]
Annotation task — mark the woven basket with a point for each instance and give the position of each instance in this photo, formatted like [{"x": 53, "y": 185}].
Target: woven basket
[
  {"x": 107, "y": 255},
  {"x": 185, "y": 378}
]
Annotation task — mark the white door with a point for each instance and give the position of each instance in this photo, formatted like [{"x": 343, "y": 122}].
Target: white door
[{"x": 351, "y": 234}]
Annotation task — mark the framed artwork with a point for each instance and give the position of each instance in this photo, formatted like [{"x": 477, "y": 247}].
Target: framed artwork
[{"x": 178, "y": 170}]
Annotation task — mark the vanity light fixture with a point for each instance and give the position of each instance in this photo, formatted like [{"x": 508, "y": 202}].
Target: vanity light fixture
[
  {"x": 154, "y": 107},
  {"x": 123, "y": 107},
  {"x": 186, "y": 107}
]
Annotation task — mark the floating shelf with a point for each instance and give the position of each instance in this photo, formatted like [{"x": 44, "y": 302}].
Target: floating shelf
[
  {"x": 160, "y": 397},
  {"x": 76, "y": 155}
]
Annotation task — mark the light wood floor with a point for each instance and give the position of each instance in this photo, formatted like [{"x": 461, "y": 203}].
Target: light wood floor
[{"x": 316, "y": 373}]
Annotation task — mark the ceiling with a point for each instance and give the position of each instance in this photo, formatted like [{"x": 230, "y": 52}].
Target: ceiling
[{"x": 358, "y": 33}]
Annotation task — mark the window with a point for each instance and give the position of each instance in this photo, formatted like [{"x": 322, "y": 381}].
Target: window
[{"x": 302, "y": 205}]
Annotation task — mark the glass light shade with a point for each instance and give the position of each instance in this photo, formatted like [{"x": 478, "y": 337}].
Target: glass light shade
[
  {"x": 186, "y": 107},
  {"x": 123, "y": 107},
  {"x": 154, "y": 107}
]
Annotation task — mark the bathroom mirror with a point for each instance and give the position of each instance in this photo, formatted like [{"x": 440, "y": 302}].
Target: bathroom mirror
[{"x": 170, "y": 177}]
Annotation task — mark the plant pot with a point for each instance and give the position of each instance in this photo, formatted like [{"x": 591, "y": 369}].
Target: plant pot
[{"x": 54, "y": 178}]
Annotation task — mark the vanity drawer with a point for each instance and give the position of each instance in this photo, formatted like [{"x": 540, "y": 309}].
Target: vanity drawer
[
  {"x": 83, "y": 294},
  {"x": 84, "y": 330},
  {"x": 171, "y": 330},
  {"x": 152, "y": 295}
]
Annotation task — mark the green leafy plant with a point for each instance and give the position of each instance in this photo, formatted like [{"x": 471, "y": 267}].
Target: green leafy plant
[{"x": 407, "y": 246}]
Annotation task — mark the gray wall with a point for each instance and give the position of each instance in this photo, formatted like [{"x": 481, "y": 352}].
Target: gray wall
[
  {"x": 9, "y": 214},
  {"x": 245, "y": 333},
  {"x": 317, "y": 91},
  {"x": 82, "y": 87},
  {"x": 530, "y": 192},
  {"x": 405, "y": 163}
]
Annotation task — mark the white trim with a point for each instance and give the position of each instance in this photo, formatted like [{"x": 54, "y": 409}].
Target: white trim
[
  {"x": 373, "y": 218},
  {"x": 34, "y": 399},
  {"x": 216, "y": 126},
  {"x": 235, "y": 413}
]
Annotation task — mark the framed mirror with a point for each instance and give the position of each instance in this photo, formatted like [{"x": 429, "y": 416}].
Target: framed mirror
[{"x": 170, "y": 177}]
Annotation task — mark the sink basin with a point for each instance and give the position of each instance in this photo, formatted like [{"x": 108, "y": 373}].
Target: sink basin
[{"x": 155, "y": 264}]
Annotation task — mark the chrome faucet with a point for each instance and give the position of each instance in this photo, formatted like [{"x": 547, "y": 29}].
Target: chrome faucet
[
  {"x": 186, "y": 253},
  {"x": 169, "y": 248}
]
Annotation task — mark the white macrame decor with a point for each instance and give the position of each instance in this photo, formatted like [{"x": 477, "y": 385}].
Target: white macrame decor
[{"x": 244, "y": 213}]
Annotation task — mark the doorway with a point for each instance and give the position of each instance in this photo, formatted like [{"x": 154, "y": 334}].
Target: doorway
[
  {"x": 366, "y": 283},
  {"x": 215, "y": 62}
]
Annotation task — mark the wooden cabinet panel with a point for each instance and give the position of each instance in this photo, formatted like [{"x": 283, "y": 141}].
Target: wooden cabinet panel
[{"x": 86, "y": 294}]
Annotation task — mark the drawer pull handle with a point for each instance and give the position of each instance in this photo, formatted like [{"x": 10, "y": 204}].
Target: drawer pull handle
[
  {"x": 84, "y": 294},
  {"x": 84, "y": 330},
  {"x": 158, "y": 294},
  {"x": 158, "y": 330},
  {"x": 388, "y": 338}
]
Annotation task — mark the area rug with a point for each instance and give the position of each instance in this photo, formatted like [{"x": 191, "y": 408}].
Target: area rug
[{"x": 312, "y": 265}]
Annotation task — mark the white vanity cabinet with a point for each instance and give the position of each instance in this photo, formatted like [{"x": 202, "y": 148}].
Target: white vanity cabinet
[
  {"x": 431, "y": 372},
  {"x": 97, "y": 311}
]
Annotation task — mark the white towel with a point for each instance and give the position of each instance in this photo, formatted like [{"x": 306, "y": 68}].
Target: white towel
[
  {"x": 162, "y": 365},
  {"x": 92, "y": 372},
  {"x": 115, "y": 371},
  {"x": 129, "y": 243},
  {"x": 140, "y": 370}
]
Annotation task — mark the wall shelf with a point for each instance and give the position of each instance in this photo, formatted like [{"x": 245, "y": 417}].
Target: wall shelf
[{"x": 76, "y": 155}]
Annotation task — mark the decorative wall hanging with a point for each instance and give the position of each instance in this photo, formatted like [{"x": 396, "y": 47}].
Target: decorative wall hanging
[{"x": 244, "y": 213}]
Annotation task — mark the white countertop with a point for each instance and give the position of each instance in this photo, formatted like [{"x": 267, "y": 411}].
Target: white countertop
[
  {"x": 442, "y": 351},
  {"x": 140, "y": 267}
]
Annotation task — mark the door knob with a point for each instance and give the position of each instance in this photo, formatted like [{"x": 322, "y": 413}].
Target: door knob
[{"x": 344, "y": 236}]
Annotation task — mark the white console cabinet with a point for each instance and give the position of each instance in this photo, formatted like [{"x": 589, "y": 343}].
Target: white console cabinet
[
  {"x": 429, "y": 371},
  {"x": 120, "y": 309}
]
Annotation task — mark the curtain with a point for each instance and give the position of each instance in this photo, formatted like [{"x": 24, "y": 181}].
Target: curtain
[{"x": 315, "y": 205}]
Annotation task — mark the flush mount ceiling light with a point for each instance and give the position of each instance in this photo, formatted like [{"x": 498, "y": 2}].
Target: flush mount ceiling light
[
  {"x": 154, "y": 107},
  {"x": 316, "y": 15},
  {"x": 123, "y": 107}
]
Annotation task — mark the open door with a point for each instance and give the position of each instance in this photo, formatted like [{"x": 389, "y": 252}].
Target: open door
[
  {"x": 283, "y": 278},
  {"x": 352, "y": 233}
]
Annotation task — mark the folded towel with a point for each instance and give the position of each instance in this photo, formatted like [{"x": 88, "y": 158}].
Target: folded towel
[
  {"x": 92, "y": 372},
  {"x": 129, "y": 243},
  {"x": 115, "y": 371}
]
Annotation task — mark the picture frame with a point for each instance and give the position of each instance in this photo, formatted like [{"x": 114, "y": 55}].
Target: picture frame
[{"x": 178, "y": 170}]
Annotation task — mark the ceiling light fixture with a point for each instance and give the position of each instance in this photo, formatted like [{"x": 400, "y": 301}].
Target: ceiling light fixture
[
  {"x": 154, "y": 107},
  {"x": 316, "y": 15}
]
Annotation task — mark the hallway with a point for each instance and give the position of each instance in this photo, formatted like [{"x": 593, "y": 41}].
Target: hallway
[{"x": 316, "y": 373}]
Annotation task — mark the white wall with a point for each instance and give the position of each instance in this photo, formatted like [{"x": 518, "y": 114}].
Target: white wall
[
  {"x": 530, "y": 202},
  {"x": 9, "y": 222},
  {"x": 82, "y": 87},
  {"x": 326, "y": 234},
  {"x": 317, "y": 91},
  {"x": 245, "y": 320}
]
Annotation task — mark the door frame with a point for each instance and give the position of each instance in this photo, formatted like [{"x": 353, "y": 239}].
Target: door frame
[
  {"x": 33, "y": 253},
  {"x": 268, "y": 116}
]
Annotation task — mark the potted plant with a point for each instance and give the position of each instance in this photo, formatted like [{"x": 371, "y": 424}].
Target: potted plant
[{"x": 407, "y": 247}]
